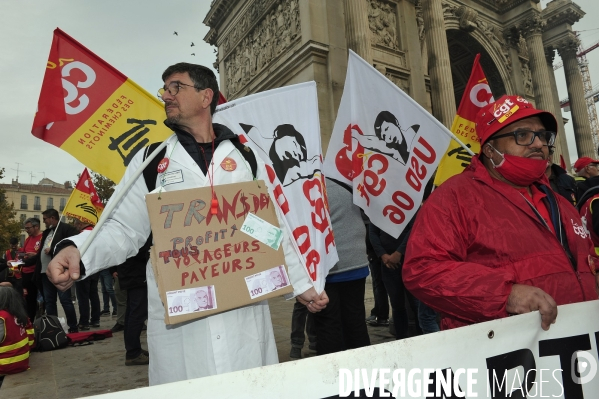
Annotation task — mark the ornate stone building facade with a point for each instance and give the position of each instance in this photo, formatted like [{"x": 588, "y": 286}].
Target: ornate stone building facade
[{"x": 426, "y": 47}]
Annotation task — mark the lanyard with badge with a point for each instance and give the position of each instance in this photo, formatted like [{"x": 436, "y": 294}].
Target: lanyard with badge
[{"x": 163, "y": 166}]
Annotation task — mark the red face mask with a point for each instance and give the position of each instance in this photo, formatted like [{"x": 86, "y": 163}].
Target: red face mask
[{"x": 519, "y": 170}]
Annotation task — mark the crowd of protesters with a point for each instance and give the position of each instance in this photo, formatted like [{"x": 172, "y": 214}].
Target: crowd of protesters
[{"x": 504, "y": 237}]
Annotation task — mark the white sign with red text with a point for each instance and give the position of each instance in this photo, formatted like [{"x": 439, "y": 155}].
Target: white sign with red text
[
  {"x": 282, "y": 127},
  {"x": 384, "y": 145}
]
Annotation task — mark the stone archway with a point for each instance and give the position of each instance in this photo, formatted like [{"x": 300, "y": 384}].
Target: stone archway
[{"x": 462, "y": 50}]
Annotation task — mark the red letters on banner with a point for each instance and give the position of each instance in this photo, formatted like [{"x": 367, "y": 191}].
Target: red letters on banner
[
  {"x": 414, "y": 176},
  {"x": 348, "y": 164},
  {"x": 278, "y": 190},
  {"x": 373, "y": 184}
]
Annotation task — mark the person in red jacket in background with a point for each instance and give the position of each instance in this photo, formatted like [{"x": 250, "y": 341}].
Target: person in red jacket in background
[
  {"x": 16, "y": 333},
  {"x": 11, "y": 253},
  {"x": 30, "y": 247},
  {"x": 496, "y": 240},
  {"x": 12, "y": 274}
]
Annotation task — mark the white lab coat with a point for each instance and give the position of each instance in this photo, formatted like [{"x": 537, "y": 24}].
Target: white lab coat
[{"x": 235, "y": 340}]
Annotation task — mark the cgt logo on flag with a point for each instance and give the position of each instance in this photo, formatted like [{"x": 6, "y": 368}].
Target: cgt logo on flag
[
  {"x": 94, "y": 112},
  {"x": 477, "y": 95},
  {"x": 384, "y": 145}
]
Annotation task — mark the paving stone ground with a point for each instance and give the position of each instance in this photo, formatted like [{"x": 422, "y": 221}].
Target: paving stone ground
[{"x": 100, "y": 368}]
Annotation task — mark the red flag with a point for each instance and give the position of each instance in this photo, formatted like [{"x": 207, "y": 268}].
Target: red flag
[
  {"x": 76, "y": 83},
  {"x": 94, "y": 112},
  {"x": 562, "y": 163},
  {"x": 84, "y": 203},
  {"x": 51, "y": 105},
  {"x": 477, "y": 95}
]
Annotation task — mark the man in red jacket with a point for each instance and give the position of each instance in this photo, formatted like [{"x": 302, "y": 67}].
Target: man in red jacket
[{"x": 496, "y": 240}]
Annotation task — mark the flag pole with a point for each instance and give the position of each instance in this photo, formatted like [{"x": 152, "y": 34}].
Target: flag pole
[
  {"x": 117, "y": 199},
  {"x": 60, "y": 218},
  {"x": 450, "y": 134},
  {"x": 437, "y": 122}
]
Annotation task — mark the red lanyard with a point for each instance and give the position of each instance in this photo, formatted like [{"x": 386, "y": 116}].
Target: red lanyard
[{"x": 214, "y": 201}]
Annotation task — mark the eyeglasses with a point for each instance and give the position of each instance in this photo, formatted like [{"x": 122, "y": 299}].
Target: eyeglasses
[
  {"x": 173, "y": 89},
  {"x": 29, "y": 228},
  {"x": 527, "y": 137}
]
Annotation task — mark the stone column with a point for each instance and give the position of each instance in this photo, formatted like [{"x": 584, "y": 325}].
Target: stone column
[
  {"x": 532, "y": 29},
  {"x": 439, "y": 68},
  {"x": 357, "y": 30},
  {"x": 561, "y": 144},
  {"x": 578, "y": 106}
]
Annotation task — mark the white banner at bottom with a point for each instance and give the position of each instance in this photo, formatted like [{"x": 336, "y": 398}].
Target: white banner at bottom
[{"x": 508, "y": 358}]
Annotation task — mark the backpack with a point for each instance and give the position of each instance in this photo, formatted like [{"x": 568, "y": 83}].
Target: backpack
[
  {"x": 49, "y": 334},
  {"x": 151, "y": 171},
  {"x": 86, "y": 337},
  {"x": 586, "y": 196}
]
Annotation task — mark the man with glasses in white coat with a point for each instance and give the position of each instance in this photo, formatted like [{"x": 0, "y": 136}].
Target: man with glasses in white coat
[{"x": 230, "y": 341}]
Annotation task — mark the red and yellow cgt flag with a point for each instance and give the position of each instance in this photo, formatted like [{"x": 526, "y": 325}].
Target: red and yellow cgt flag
[
  {"x": 94, "y": 112},
  {"x": 84, "y": 203},
  {"x": 476, "y": 95}
]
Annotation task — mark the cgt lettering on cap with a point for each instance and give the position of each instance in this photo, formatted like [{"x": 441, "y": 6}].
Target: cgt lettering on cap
[{"x": 505, "y": 111}]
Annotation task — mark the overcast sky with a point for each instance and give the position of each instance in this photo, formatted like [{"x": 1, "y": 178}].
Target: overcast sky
[{"x": 136, "y": 37}]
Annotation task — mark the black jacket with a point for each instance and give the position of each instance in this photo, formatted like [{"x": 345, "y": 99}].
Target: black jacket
[
  {"x": 583, "y": 186},
  {"x": 563, "y": 184},
  {"x": 63, "y": 230},
  {"x": 384, "y": 243},
  {"x": 132, "y": 272}
]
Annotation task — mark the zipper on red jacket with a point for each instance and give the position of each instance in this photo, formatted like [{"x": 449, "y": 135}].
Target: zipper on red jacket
[{"x": 569, "y": 256}]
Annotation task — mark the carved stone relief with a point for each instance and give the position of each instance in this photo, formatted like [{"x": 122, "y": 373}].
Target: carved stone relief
[
  {"x": 494, "y": 37},
  {"x": 382, "y": 19},
  {"x": 467, "y": 18},
  {"x": 398, "y": 81},
  {"x": 420, "y": 21},
  {"x": 449, "y": 11},
  {"x": 522, "y": 48},
  {"x": 421, "y": 34},
  {"x": 568, "y": 47},
  {"x": 274, "y": 33},
  {"x": 527, "y": 78},
  {"x": 532, "y": 25}
]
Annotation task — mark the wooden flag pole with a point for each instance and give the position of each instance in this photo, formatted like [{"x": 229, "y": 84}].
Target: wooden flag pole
[{"x": 117, "y": 199}]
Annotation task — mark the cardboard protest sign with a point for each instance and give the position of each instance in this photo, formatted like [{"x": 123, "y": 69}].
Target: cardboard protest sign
[{"x": 204, "y": 262}]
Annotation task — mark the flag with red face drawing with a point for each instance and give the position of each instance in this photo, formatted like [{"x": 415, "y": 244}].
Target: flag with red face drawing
[
  {"x": 476, "y": 96},
  {"x": 84, "y": 203},
  {"x": 94, "y": 112},
  {"x": 384, "y": 145}
]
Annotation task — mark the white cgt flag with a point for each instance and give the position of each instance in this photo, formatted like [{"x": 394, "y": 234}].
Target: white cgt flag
[
  {"x": 282, "y": 127},
  {"x": 384, "y": 145}
]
